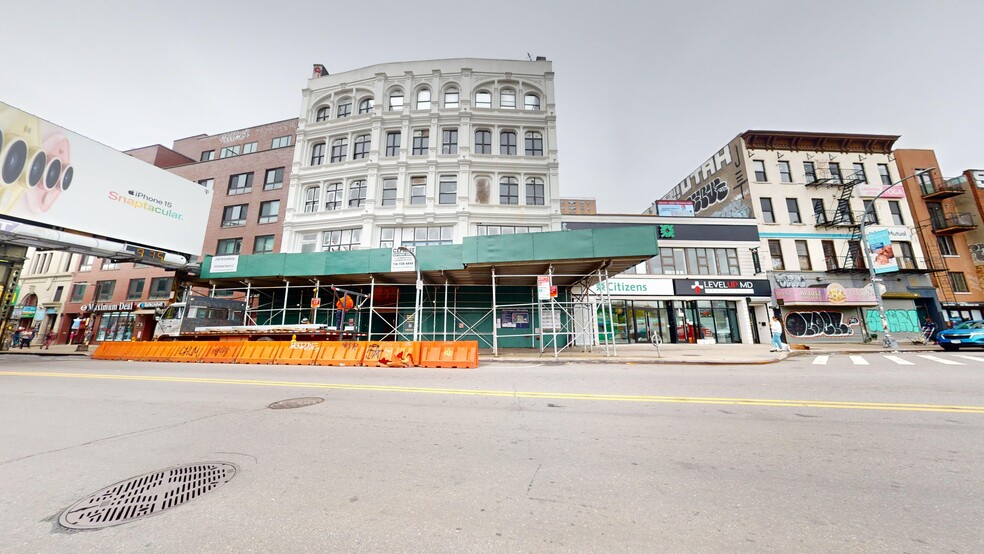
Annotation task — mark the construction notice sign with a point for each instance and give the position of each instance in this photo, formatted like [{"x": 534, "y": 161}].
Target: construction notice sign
[
  {"x": 315, "y": 302},
  {"x": 543, "y": 287},
  {"x": 402, "y": 260}
]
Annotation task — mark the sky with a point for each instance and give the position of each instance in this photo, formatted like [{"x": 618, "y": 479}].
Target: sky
[{"x": 645, "y": 90}]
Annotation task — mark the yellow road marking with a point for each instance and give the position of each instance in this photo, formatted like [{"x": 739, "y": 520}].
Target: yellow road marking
[{"x": 829, "y": 404}]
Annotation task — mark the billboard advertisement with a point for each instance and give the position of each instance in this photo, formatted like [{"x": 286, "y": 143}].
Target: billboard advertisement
[
  {"x": 718, "y": 187},
  {"x": 54, "y": 177},
  {"x": 882, "y": 254},
  {"x": 675, "y": 208}
]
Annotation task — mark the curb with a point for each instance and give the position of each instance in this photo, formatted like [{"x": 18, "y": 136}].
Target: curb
[{"x": 632, "y": 361}]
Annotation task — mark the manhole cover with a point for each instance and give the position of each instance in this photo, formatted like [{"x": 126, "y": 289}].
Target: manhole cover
[
  {"x": 291, "y": 403},
  {"x": 147, "y": 494}
]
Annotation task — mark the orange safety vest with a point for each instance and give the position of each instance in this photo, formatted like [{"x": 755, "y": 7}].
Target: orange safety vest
[{"x": 345, "y": 303}]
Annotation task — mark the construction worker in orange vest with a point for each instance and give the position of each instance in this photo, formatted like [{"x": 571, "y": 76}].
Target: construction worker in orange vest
[{"x": 343, "y": 305}]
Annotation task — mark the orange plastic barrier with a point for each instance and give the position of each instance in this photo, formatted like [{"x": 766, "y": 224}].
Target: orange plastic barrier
[
  {"x": 139, "y": 351},
  {"x": 299, "y": 353},
  {"x": 222, "y": 352},
  {"x": 391, "y": 354},
  {"x": 188, "y": 351},
  {"x": 341, "y": 353},
  {"x": 112, "y": 350},
  {"x": 460, "y": 354},
  {"x": 159, "y": 351},
  {"x": 260, "y": 352}
]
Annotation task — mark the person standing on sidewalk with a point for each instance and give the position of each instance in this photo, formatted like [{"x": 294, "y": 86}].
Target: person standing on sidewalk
[{"x": 776, "y": 327}]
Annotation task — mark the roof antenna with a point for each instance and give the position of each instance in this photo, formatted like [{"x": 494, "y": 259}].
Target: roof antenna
[{"x": 529, "y": 56}]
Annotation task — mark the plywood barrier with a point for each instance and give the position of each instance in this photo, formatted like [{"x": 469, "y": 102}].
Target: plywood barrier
[
  {"x": 458, "y": 354},
  {"x": 299, "y": 353},
  {"x": 222, "y": 352},
  {"x": 341, "y": 353},
  {"x": 260, "y": 352},
  {"x": 112, "y": 350},
  {"x": 391, "y": 354}
]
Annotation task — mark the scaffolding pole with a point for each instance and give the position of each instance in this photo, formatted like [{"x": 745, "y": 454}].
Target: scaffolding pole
[
  {"x": 495, "y": 319},
  {"x": 372, "y": 296},
  {"x": 249, "y": 285},
  {"x": 283, "y": 315}
]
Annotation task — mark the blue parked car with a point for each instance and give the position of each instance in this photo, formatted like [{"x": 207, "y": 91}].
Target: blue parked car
[{"x": 968, "y": 333}]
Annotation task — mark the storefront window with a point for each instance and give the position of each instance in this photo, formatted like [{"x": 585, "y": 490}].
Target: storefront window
[
  {"x": 674, "y": 321},
  {"x": 115, "y": 326}
]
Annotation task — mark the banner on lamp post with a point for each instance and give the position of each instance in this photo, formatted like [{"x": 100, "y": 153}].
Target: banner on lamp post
[{"x": 882, "y": 255}]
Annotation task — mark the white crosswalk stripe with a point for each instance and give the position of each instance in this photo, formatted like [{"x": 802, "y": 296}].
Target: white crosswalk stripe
[
  {"x": 899, "y": 360},
  {"x": 975, "y": 358},
  {"x": 858, "y": 360},
  {"x": 940, "y": 360},
  {"x": 820, "y": 360}
]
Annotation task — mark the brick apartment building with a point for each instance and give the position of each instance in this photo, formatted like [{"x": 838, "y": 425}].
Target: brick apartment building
[
  {"x": 573, "y": 206},
  {"x": 247, "y": 169},
  {"x": 947, "y": 213}
]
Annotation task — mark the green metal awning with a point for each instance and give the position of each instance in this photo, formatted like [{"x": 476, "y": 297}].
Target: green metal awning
[{"x": 514, "y": 257}]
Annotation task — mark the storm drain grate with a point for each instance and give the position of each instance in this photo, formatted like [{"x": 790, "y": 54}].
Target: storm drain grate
[
  {"x": 147, "y": 494},
  {"x": 292, "y": 403}
]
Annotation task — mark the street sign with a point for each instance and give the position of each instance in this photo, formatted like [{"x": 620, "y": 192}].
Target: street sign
[
  {"x": 315, "y": 302},
  {"x": 543, "y": 287}
]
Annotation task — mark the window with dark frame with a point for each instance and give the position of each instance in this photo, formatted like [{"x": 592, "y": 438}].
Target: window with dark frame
[
  {"x": 768, "y": 216},
  {"x": 424, "y": 99},
  {"x": 483, "y": 141},
  {"x": 871, "y": 215},
  {"x": 859, "y": 173},
  {"x": 78, "y": 292},
  {"x": 388, "y": 196},
  {"x": 318, "y": 154},
  {"x": 208, "y": 155},
  {"x": 312, "y": 199},
  {"x": 345, "y": 109},
  {"x": 507, "y": 143},
  {"x": 392, "y": 144},
  {"x": 263, "y": 244},
  {"x": 341, "y": 240},
  {"x": 274, "y": 179},
  {"x": 759, "y": 167},
  {"x": 886, "y": 178},
  {"x": 418, "y": 191},
  {"x": 323, "y": 113},
  {"x": 905, "y": 256},
  {"x": 366, "y": 105},
  {"x": 58, "y": 293},
  {"x": 803, "y": 255},
  {"x": 532, "y": 102},
  {"x": 357, "y": 193},
  {"x": 448, "y": 190},
  {"x": 234, "y": 216},
  {"x": 947, "y": 247},
  {"x": 818, "y": 211},
  {"x": 207, "y": 183},
  {"x": 829, "y": 255},
  {"x": 333, "y": 196},
  {"x": 809, "y": 172},
  {"x": 534, "y": 191},
  {"x": 361, "y": 147},
  {"x": 958, "y": 281},
  {"x": 281, "y": 142},
  {"x": 534, "y": 143},
  {"x": 228, "y": 246},
  {"x": 160, "y": 287},
  {"x": 134, "y": 291},
  {"x": 451, "y": 98},
  {"x": 896, "y": 209},
  {"x": 785, "y": 173},
  {"x": 792, "y": 206},
  {"x": 339, "y": 150},
  {"x": 509, "y": 190},
  {"x": 241, "y": 183},
  {"x": 229, "y": 151},
  {"x": 269, "y": 211},
  {"x": 249, "y": 147},
  {"x": 507, "y": 99},
  {"x": 449, "y": 140},
  {"x": 421, "y": 138},
  {"x": 483, "y": 99},
  {"x": 104, "y": 290},
  {"x": 396, "y": 102},
  {"x": 835, "y": 172},
  {"x": 775, "y": 253}
]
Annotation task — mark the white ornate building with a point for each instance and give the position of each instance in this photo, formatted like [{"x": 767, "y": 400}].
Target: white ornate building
[{"x": 423, "y": 153}]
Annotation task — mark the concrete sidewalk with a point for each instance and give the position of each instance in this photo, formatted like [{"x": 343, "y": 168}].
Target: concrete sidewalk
[{"x": 703, "y": 354}]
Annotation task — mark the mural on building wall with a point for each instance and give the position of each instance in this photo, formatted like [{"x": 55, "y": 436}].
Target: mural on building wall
[
  {"x": 819, "y": 324},
  {"x": 977, "y": 252},
  {"x": 717, "y": 188},
  {"x": 899, "y": 321}
]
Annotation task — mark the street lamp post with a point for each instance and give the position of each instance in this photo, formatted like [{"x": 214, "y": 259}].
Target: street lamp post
[
  {"x": 418, "y": 293},
  {"x": 887, "y": 339}
]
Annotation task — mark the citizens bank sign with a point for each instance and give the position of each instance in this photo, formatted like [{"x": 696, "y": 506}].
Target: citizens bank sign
[{"x": 633, "y": 287}]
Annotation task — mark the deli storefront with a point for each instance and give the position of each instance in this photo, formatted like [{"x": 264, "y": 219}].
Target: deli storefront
[
  {"x": 118, "y": 322},
  {"x": 696, "y": 311}
]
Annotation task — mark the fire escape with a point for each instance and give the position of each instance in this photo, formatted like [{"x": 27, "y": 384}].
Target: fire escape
[
  {"x": 842, "y": 218},
  {"x": 942, "y": 223}
]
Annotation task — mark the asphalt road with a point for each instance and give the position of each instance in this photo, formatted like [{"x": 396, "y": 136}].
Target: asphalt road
[{"x": 796, "y": 456}]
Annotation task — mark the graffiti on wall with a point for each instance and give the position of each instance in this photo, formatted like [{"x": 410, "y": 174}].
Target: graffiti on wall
[
  {"x": 790, "y": 281},
  {"x": 899, "y": 321},
  {"x": 818, "y": 324},
  {"x": 977, "y": 252}
]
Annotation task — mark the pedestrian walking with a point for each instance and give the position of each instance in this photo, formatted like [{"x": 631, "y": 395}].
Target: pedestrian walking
[
  {"x": 17, "y": 337},
  {"x": 776, "y": 327},
  {"x": 49, "y": 337},
  {"x": 26, "y": 337}
]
